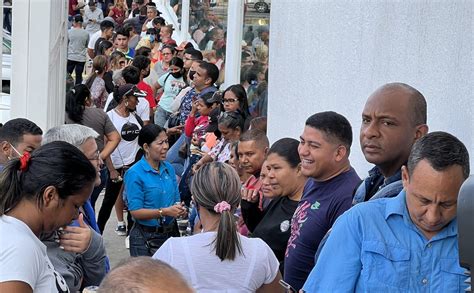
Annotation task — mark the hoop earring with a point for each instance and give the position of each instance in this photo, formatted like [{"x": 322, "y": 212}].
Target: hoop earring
[{"x": 126, "y": 104}]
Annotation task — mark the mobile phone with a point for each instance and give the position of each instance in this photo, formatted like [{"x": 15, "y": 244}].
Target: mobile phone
[{"x": 288, "y": 288}]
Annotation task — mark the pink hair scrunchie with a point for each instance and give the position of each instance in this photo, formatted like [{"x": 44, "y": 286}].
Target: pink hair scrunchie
[{"x": 221, "y": 207}]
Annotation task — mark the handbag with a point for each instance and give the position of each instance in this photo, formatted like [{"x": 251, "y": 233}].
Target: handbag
[
  {"x": 174, "y": 120},
  {"x": 153, "y": 244}
]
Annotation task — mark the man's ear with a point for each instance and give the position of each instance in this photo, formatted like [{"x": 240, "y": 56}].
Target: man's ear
[
  {"x": 405, "y": 177},
  {"x": 5, "y": 148},
  {"x": 265, "y": 151},
  {"x": 340, "y": 153},
  {"x": 50, "y": 197},
  {"x": 421, "y": 130}
]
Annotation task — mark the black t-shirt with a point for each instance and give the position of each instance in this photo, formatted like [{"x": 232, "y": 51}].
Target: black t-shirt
[{"x": 273, "y": 225}]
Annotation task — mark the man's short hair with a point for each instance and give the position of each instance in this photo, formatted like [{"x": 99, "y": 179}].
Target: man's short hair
[
  {"x": 106, "y": 24},
  {"x": 417, "y": 101},
  {"x": 143, "y": 51},
  {"x": 131, "y": 74},
  {"x": 211, "y": 70},
  {"x": 75, "y": 134},
  {"x": 256, "y": 135},
  {"x": 141, "y": 62},
  {"x": 442, "y": 150},
  {"x": 195, "y": 54},
  {"x": 123, "y": 32},
  {"x": 142, "y": 274},
  {"x": 334, "y": 126},
  {"x": 13, "y": 130},
  {"x": 159, "y": 20}
]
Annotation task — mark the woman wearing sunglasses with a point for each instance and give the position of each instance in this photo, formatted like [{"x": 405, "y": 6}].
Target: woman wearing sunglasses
[{"x": 151, "y": 192}]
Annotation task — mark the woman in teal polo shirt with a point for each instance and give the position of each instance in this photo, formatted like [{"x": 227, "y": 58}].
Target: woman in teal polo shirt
[{"x": 151, "y": 192}]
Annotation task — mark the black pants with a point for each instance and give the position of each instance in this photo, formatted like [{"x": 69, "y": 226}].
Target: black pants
[
  {"x": 79, "y": 69},
  {"x": 111, "y": 192}
]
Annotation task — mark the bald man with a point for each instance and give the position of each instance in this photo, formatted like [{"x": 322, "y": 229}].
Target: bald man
[{"x": 394, "y": 117}]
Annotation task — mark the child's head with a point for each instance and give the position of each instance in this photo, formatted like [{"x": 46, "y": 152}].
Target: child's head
[{"x": 205, "y": 105}]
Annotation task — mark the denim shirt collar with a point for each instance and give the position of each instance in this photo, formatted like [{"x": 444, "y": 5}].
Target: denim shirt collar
[
  {"x": 397, "y": 206},
  {"x": 375, "y": 173}
]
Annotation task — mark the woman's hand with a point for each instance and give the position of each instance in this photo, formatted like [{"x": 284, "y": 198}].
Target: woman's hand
[
  {"x": 76, "y": 239},
  {"x": 114, "y": 174},
  {"x": 197, "y": 166},
  {"x": 174, "y": 211},
  {"x": 175, "y": 130},
  {"x": 194, "y": 108},
  {"x": 250, "y": 195}
]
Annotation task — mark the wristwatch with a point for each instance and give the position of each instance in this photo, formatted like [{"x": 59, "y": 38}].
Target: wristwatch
[{"x": 161, "y": 213}]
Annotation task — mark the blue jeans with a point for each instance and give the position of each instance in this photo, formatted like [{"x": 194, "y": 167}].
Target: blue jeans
[
  {"x": 161, "y": 116},
  {"x": 138, "y": 239},
  {"x": 174, "y": 158},
  {"x": 104, "y": 175},
  {"x": 184, "y": 185}
]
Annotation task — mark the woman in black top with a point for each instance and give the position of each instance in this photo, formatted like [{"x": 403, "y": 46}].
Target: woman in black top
[{"x": 283, "y": 183}]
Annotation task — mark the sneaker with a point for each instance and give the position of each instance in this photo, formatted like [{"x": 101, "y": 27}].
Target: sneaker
[
  {"x": 121, "y": 230},
  {"x": 127, "y": 242}
]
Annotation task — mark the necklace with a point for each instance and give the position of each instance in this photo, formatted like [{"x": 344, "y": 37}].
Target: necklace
[{"x": 123, "y": 113}]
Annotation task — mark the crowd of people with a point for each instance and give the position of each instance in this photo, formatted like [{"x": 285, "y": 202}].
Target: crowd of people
[{"x": 152, "y": 125}]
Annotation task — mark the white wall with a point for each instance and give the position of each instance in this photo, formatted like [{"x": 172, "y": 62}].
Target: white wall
[
  {"x": 331, "y": 55},
  {"x": 39, "y": 50}
]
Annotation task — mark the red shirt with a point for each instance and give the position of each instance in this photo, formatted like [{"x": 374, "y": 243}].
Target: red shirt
[
  {"x": 73, "y": 12},
  {"x": 143, "y": 86}
]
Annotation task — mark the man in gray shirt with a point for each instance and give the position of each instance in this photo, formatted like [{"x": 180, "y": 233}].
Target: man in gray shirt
[
  {"x": 77, "y": 48},
  {"x": 93, "y": 16}
]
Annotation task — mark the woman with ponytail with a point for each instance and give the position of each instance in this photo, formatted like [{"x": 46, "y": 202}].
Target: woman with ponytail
[
  {"x": 208, "y": 259},
  {"x": 95, "y": 82},
  {"x": 39, "y": 193}
]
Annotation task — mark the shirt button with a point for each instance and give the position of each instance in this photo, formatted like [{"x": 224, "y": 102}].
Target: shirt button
[
  {"x": 425, "y": 281},
  {"x": 429, "y": 245}
]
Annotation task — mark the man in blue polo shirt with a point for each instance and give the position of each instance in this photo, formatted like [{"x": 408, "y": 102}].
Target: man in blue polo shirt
[
  {"x": 406, "y": 243},
  {"x": 324, "y": 151}
]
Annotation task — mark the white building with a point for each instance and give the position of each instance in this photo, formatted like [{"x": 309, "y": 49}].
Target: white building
[{"x": 331, "y": 55}]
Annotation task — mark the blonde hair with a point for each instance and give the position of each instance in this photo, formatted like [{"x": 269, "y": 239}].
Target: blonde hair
[{"x": 214, "y": 183}]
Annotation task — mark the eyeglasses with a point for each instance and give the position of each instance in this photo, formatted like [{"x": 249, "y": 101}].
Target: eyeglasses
[
  {"x": 96, "y": 156},
  {"x": 230, "y": 101},
  {"x": 166, "y": 54}
]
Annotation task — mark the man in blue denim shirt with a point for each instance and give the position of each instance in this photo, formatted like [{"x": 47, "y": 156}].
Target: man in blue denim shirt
[
  {"x": 407, "y": 243},
  {"x": 394, "y": 117}
]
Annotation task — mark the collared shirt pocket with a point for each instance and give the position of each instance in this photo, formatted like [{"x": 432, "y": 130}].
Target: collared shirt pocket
[
  {"x": 452, "y": 275},
  {"x": 385, "y": 266}
]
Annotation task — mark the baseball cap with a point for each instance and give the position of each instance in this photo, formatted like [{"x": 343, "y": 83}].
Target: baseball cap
[{"x": 130, "y": 90}]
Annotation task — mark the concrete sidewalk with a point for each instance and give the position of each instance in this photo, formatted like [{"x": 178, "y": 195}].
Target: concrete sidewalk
[{"x": 114, "y": 244}]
